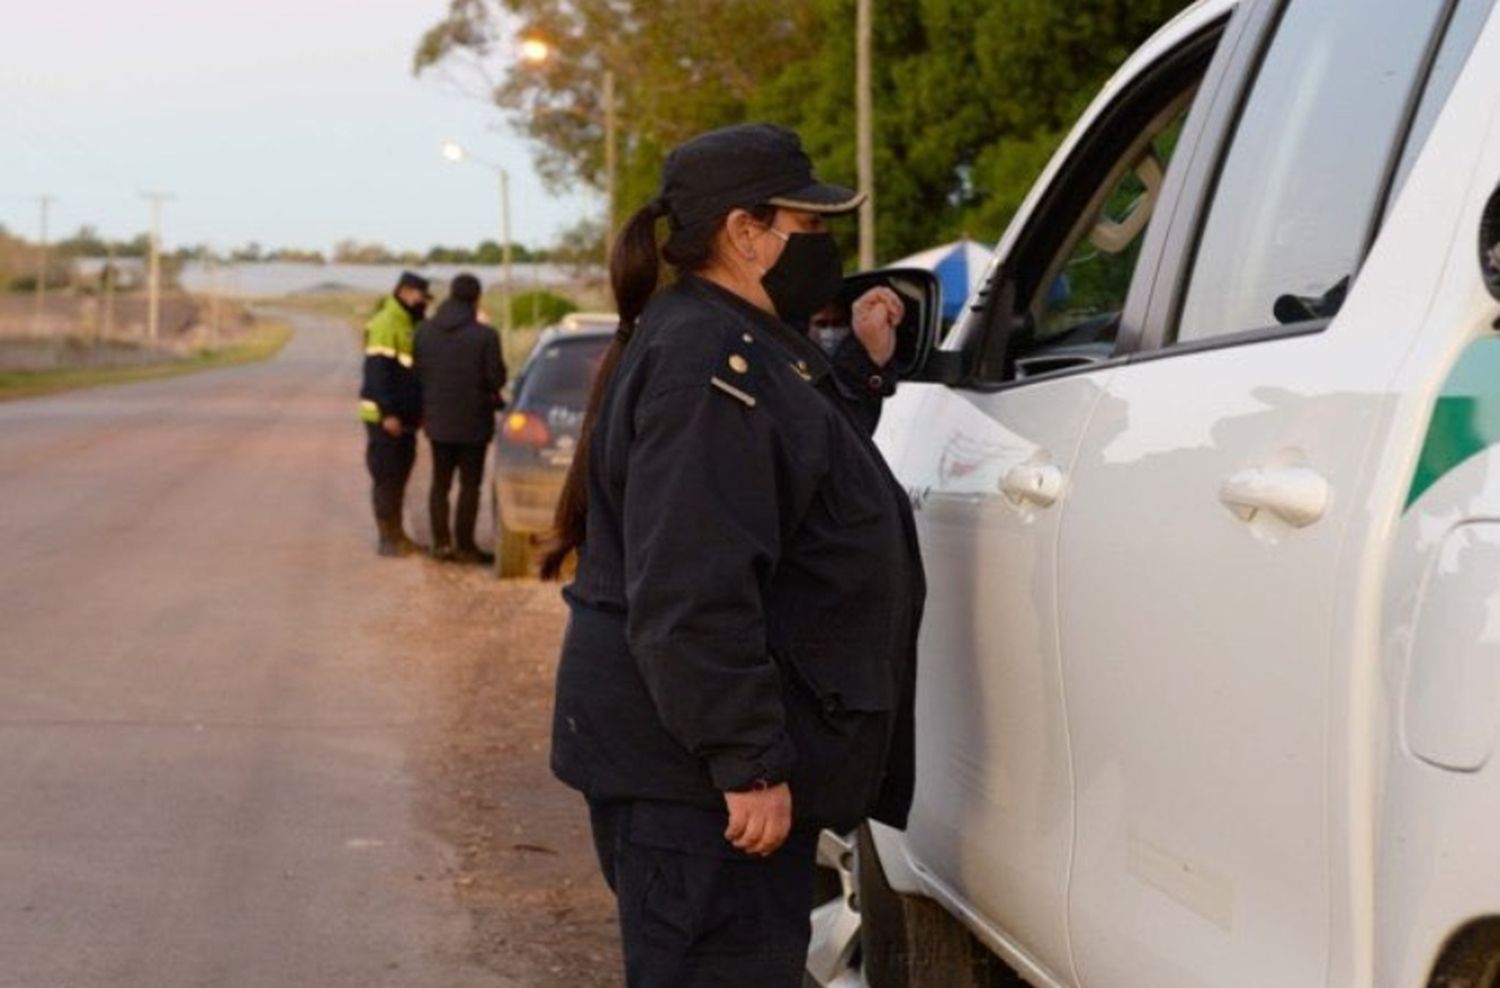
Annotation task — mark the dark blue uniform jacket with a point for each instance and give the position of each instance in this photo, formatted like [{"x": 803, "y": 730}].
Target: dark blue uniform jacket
[{"x": 748, "y": 596}]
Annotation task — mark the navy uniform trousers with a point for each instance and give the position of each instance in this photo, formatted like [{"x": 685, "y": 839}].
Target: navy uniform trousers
[
  {"x": 390, "y": 460},
  {"x": 694, "y": 911}
]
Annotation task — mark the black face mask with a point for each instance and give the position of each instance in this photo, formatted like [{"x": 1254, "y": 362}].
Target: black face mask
[
  {"x": 806, "y": 277},
  {"x": 418, "y": 311}
]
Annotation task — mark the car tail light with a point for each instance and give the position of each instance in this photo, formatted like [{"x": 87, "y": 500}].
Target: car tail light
[{"x": 525, "y": 429}]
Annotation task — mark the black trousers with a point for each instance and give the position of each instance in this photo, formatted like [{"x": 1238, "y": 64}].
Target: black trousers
[
  {"x": 390, "y": 460},
  {"x": 694, "y": 911},
  {"x": 468, "y": 461}
]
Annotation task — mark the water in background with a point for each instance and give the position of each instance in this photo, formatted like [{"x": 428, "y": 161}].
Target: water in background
[{"x": 268, "y": 279}]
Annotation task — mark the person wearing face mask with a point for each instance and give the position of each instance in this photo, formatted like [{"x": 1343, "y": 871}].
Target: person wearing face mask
[
  {"x": 391, "y": 407},
  {"x": 739, "y": 662}
]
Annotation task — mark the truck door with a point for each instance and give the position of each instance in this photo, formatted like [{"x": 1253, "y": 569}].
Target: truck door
[
  {"x": 988, "y": 465},
  {"x": 1215, "y": 487}
]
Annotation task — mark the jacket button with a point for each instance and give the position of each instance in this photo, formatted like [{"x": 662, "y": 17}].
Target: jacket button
[
  {"x": 738, "y": 364},
  {"x": 876, "y": 382},
  {"x": 831, "y": 704}
]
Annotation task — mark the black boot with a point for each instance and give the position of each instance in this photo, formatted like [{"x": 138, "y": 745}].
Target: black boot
[
  {"x": 404, "y": 542},
  {"x": 393, "y": 541}
]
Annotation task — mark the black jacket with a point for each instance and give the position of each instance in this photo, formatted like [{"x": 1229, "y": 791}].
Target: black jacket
[
  {"x": 748, "y": 596},
  {"x": 461, "y": 371}
]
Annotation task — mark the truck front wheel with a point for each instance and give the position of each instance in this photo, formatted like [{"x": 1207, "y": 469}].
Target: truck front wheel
[{"x": 871, "y": 936}]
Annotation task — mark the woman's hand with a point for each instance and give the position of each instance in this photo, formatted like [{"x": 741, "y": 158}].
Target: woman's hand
[
  {"x": 759, "y": 821},
  {"x": 875, "y": 316}
]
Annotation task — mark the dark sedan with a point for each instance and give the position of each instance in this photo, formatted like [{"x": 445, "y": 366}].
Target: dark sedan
[{"x": 539, "y": 433}]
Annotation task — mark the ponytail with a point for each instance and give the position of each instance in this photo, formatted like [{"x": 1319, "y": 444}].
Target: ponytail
[{"x": 634, "y": 270}]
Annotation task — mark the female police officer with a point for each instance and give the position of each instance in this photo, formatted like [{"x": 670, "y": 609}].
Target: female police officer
[{"x": 738, "y": 667}]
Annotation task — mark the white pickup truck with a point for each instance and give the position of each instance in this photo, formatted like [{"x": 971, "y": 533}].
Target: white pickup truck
[{"x": 1209, "y": 496}]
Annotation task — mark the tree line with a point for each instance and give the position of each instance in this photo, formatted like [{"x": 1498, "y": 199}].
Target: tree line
[
  {"x": 971, "y": 96},
  {"x": 16, "y": 252}
]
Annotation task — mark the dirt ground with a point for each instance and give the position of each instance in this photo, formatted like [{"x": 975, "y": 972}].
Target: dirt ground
[{"x": 526, "y": 871}]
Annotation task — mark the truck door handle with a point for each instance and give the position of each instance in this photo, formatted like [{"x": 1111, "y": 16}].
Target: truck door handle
[
  {"x": 1297, "y": 495},
  {"x": 1040, "y": 484}
]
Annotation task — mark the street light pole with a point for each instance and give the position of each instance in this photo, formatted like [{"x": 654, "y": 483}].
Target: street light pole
[
  {"x": 454, "y": 151},
  {"x": 538, "y": 51},
  {"x": 507, "y": 317}
]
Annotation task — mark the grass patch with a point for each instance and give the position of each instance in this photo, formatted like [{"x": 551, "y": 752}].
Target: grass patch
[{"x": 265, "y": 341}]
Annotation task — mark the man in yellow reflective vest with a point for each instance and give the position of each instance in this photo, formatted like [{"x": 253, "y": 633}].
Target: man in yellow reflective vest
[{"x": 391, "y": 406}]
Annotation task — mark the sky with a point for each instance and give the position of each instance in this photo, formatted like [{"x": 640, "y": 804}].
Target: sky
[{"x": 286, "y": 122}]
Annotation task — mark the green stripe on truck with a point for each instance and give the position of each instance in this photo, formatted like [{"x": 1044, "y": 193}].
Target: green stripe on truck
[{"x": 1466, "y": 419}]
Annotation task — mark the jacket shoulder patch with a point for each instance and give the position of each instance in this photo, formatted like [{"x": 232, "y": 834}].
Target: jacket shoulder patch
[
  {"x": 732, "y": 391},
  {"x": 736, "y": 371}
]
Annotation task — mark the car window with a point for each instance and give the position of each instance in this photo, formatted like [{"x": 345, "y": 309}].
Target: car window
[
  {"x": 1458, "y": 42},
  {"x": 1060, "y": 293},
  {"x": 1085, "y": 296},
  {"x": 1303, "y": 178},
  {"x": 562, "y": 373}
]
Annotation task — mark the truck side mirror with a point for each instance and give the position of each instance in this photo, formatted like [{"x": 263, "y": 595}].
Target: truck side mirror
[
  {"x": 1489, "y": 243},
  {"x": 917, "y": 334}
]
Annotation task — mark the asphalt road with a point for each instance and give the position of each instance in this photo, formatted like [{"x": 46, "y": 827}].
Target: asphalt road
[{"x": 206, "y": 740}]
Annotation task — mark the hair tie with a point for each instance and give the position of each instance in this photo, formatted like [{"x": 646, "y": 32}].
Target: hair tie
[{"x": 624, "y": 332}]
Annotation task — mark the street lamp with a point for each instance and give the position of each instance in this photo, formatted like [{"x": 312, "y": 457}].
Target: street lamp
[
  {"x": 537, "y": 51},
  {"x": 453, "y": 151}
]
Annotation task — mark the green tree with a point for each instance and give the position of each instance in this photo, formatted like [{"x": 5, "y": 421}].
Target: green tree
[
  {"x": 971, "y": 96},
  {"x": 297, "y": 254},
  {"x": 539, "y": 308},
  {"x": 85, "y": 243},
  {"x": 680, "y": 67},
  {"x": 971, "y": 99},
  {"x": 353, "y": 252},
  {"x": 137, "y": 246}
]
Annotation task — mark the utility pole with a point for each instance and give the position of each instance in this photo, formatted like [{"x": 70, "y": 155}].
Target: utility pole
[
  {"x": 507, "y": 318},
  {"x": 611, "y": 162},
  {"x": 538, "y": 51},
  {"x": 109, "y": 289},
  {"x": 865, "y": 130},
  {"x": 213, "y": 301},
  {"x": 153, "y": 275},
  {"x": 41, "y": 271}
]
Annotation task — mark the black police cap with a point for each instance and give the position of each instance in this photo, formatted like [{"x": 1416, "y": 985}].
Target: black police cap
[
  {"x": 742, "y": 166},
  {"x": 410, "y": 279}
]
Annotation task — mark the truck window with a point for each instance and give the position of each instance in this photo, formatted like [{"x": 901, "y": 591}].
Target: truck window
[
  {"x": 1306, "y": 170},
  {"x": 1458, "y": 42},
  {"x": 1085, "y": 293},
  {"x": 1064, "y": 286}
]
